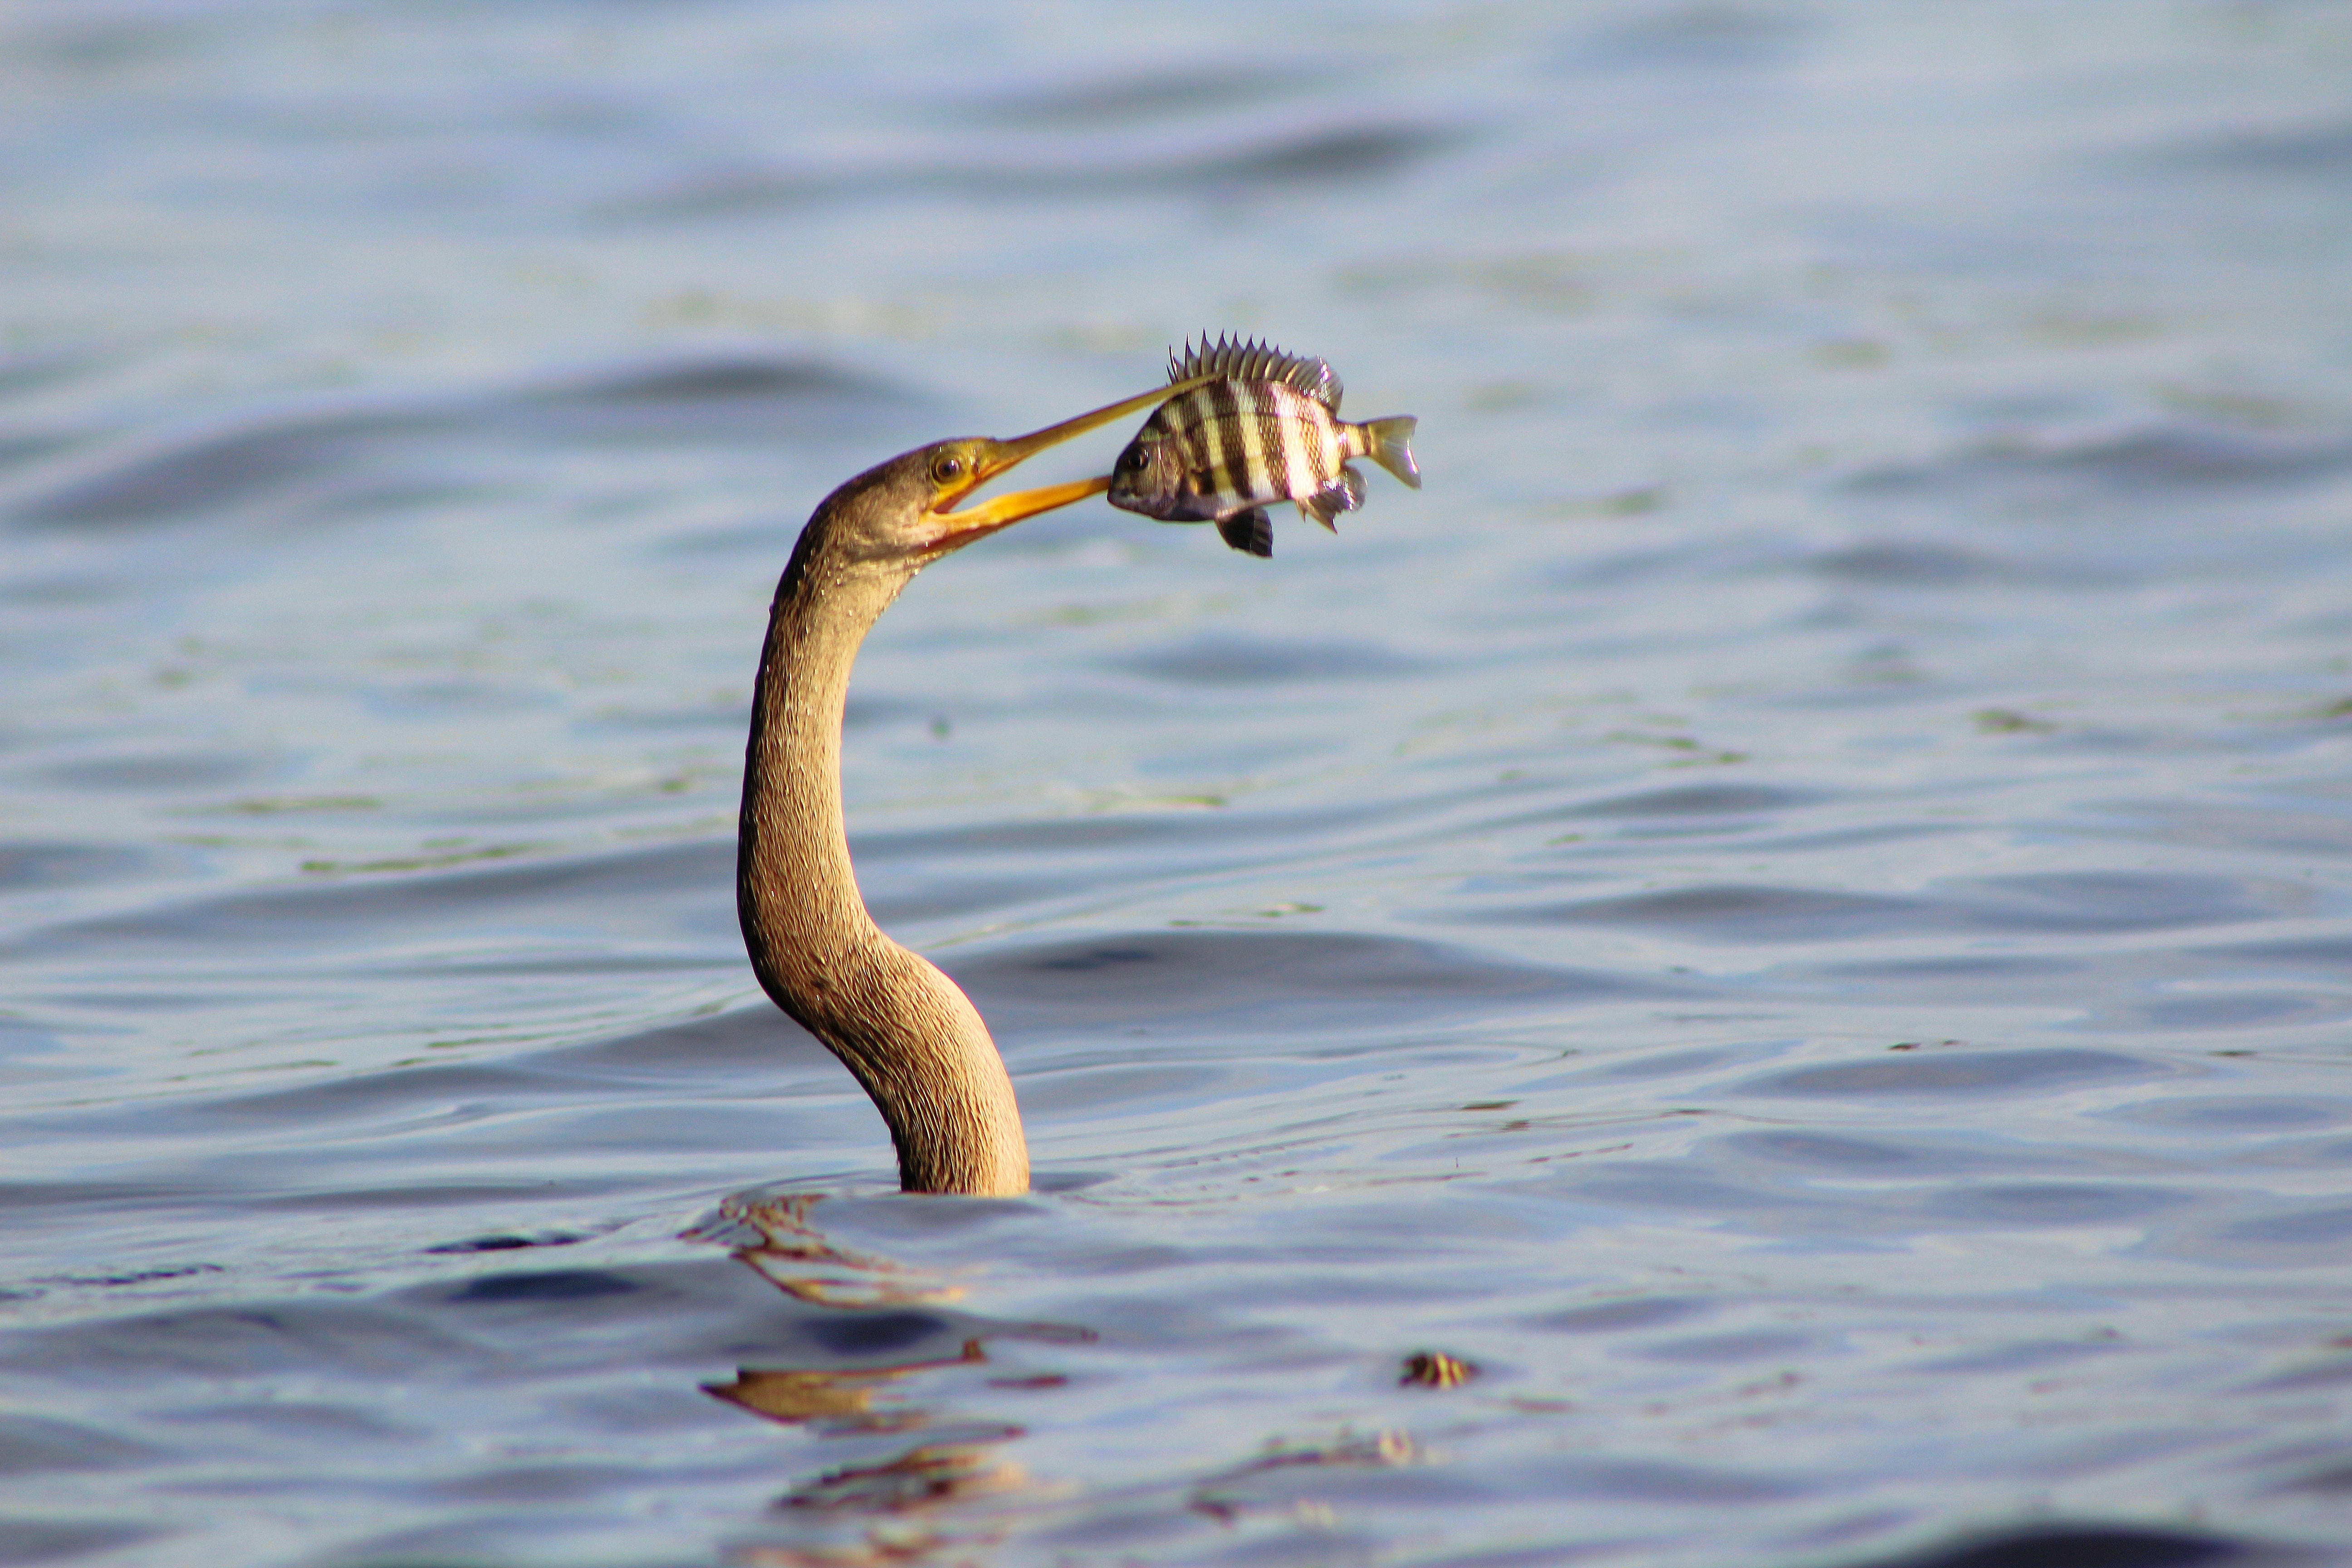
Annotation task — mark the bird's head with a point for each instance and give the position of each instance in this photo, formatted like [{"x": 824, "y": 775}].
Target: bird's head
[{"x": 904, "y": 514}]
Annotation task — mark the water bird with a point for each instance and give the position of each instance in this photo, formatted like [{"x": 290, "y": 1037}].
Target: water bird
[
  {"x": 1263, "y": 426},
  {"x": 908, "y": 1033}
]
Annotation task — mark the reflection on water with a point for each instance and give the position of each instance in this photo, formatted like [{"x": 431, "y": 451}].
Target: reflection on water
[
  {"x": 956, "y": 1486},
  {"x": 774, "y": 1236},
  {"x": 1791, "y": 915},
  {"x": 956, "y": 1461}
]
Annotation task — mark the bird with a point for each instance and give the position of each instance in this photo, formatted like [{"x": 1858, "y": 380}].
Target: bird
[{"x": 906, "y": 1033}]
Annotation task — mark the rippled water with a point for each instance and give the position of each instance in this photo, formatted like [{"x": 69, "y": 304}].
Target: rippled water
[{"x": 1789, "y": 910}]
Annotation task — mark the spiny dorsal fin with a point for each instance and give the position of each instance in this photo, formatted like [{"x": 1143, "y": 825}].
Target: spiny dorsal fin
[{"x": 1250, "y": 359}]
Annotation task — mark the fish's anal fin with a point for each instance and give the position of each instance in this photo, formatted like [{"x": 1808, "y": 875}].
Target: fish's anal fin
[
  {"x": 1389, "y": 443},
  {"x": 1251, "y": 532},
  {"x": 1344, "y": 493},
  {"x": 1325, "y": 505},
  {"x": 1248, "y": 359}
]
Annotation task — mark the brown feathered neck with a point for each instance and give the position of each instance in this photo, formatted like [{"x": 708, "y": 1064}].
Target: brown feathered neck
[{"x": 908, "y": 1033}]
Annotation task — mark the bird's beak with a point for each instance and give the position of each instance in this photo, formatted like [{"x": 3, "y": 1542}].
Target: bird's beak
[{"x": 958, "y": 528}]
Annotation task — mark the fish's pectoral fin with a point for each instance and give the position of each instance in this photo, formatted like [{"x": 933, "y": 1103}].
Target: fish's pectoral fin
[{"x": 1251, "y": 531}]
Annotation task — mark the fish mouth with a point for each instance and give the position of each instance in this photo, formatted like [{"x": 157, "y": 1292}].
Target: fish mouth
[{"x": 993, "y": 458}]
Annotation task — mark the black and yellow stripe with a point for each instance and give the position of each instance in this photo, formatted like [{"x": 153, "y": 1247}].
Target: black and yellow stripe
[
  {"x": 1246, "y": 444},
  {"x": 1266, "y": 429}
]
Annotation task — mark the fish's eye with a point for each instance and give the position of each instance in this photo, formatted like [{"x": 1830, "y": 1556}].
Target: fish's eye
[
  {"x": 947, "y": 467},
  {"x": 1138, "y": 458}
]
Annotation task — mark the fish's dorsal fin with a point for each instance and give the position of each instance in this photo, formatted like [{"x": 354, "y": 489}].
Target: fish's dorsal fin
[{"x": 1250, "y": 359}]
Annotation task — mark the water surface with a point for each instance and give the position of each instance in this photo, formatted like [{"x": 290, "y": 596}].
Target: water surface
[{"x": 1790, "y": 908}]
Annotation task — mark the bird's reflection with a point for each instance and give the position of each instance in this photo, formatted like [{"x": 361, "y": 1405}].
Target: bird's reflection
[
  {"x": 843, "y": 1400},
  {"x": 771, "y": 1234},
  {"x": 920, "y": 1478},
  {"x": 898, "y": 1499},
  {"x": 886, "y": 1348}
]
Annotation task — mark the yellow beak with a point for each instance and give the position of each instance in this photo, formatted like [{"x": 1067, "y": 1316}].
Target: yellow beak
[{"x": 960, "y": 527}]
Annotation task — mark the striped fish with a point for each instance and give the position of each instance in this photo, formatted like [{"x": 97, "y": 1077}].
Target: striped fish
[{"x": 1266, "y": 430}]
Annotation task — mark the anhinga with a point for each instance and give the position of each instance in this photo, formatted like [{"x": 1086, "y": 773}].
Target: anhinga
[{"x": 911, "y": 1038}]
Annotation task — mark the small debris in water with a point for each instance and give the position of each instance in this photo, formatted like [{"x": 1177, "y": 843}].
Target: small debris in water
[
  {"x": 1436, "y": 1369},
  {"x": 2009, "y": 721}
]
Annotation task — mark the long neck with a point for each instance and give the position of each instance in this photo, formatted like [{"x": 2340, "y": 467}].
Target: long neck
[{"x": 911, "y": 1038}]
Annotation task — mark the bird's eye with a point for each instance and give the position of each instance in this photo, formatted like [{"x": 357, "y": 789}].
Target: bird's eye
[{"x": 947, "y": 469}]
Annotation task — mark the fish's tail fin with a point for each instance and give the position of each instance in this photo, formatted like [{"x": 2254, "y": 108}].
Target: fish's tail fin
[{"x": 1389, "y": 443}]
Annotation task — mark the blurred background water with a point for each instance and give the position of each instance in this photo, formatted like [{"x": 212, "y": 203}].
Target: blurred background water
[{"x": 1790, "y": 908}]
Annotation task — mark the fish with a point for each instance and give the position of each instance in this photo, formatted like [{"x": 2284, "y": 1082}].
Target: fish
[{"x": 1267, "y": 429}]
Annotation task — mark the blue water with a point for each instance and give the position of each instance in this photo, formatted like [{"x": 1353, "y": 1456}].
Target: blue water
[{"x": 1790, "y": 908}]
